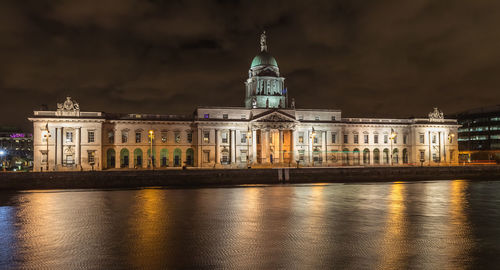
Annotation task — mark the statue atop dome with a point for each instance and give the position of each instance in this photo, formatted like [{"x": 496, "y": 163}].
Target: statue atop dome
[{"x": 263, "y": 43}]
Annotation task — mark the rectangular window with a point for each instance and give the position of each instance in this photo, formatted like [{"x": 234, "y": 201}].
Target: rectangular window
[
  {"x": 137, "y": 136},
  {"x": 243, "y": 155},
  {"x": 243, "y": 117},
  {"x": 111, "y": 137},
  {"x": 396, "y": 139},
  {"x": 177, "y": 136},
  {"x": 422, "y": 155},
  {"x": 206, "y": 136},
  {"x": 316, "y": 118},
  {"x": 356, "y": 139},
  {"x": 69, "y": 136},
  {"x": 44, "y": 157},
  {"x": 301, "y": 137},
  {"x": 225, "y": 116},
  {"x": 316, "y": 139},
  {"x": 405, "y": 139},
  {"x": 91, "y": 157},
  {"x": 190, "y": 137},
  {"x": 375, "y": 138},
  {"x": 224, "y": 137},
  {"x": 434, "y": 138},
  {"x": 124, "y": 136},
  {"x": 301, "y": 117},
  {"x": 206, "y": 156},
  {"x": 243, "y": 137},
  {"x": 366, "y": 138},
  {"x": 386, "y": 138},
  {"x": 69, "y": 160},
  {"x": 421, "y": 138},
  {"x": 333, "y": 118},
  {"x": 346, "y": 138},
  {"x": 206, "y": 116},
  {"x": 334, "y": 137},
  {"x": 91, "y": 136},
  {"x": 301, "y": 155}
]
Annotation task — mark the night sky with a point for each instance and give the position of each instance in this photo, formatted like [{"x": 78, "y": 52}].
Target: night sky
[{"x": 368, "y": 58}]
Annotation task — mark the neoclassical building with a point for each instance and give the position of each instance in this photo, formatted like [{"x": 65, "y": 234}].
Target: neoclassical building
[{"x": 268, "y": 131}]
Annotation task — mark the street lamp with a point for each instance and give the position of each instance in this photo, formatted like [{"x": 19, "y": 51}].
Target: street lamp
[
  {"x": 2, "y": 153},
  {"x": 46, "y": 135},
  {"x": 151, "y": 137},
  {"x": 393, "y": 135}
]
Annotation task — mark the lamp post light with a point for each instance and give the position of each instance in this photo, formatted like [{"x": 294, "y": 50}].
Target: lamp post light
[
  {"x": 46, "y": 135},
  {"x": 393, "y": 135},
  {"x": 151, "y": 137},
  {"x": 311, "y": 137}
]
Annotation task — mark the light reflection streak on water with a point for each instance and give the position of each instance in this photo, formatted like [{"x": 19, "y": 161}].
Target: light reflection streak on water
[
  {"x": 148, "y": 223},
  {"x": 393, "y": 246},
  {"x": 459, "y": 236}
]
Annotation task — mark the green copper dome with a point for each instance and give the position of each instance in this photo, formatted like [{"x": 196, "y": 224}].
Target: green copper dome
[{"x": 264, "y": 59}]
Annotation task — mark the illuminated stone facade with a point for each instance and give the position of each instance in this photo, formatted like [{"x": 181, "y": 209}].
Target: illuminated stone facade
[{"x": 268, "y": 131}]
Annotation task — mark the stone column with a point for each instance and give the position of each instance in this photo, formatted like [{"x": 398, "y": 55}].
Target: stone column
[
  {"x": 293, "y": 146},
  {"x": 254, "y": 146},
  {"x": 232, "y": 134},
  {"x": 59, "y": 146},
  {"x": 323, "y": 147},
  {"x": 264, "y": 148},
  {"x": 281, "y": 146},
  {"x": 217, "y": 146},
  {"x": 310, "y": 150},
  {"x": 77, "y": 146},
  {"x": 118, "y": 158},
  {"x": 199, "y": 148}
]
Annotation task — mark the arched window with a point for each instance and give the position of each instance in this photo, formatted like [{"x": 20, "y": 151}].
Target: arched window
[
  {"x": 124, "y": 158},
  {"x": 345, "y": 156},
  {"x": 164, "y": 158},
  {"x": 395, "y": 156},
  {"x": 386, "y": 156},
  {"x": 356, "y": 156},
  {"x": 110, "y": 158},
  {"x": 366, "y": 156},
  {"x": 376, "y": 156},
  {"x": 405, "y": 156},
  {"x": 190, "y": 157},
  {"x": 138, "y": 158},
  {"x": 177, "y": 157}
]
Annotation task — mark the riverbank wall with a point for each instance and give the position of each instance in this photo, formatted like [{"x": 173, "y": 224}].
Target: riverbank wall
[{"x": 221, "y": 177}]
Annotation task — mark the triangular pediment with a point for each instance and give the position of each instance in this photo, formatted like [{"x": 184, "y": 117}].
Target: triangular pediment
[{"x": 274, "y": 116}]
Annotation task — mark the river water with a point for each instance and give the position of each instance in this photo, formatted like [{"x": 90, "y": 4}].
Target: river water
[{"x": 420, "y": 225}]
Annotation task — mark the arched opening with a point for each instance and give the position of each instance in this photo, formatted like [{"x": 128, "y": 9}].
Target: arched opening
[
  {"x": 356, "y": 156},
  {"x": 110, "y": 158},
  {"x": 376, "y": 156},
  {"x": 190, "y": 157},
  {"x": 163, "y": 158},
  {"x": 386, "y": 156},
  {"x": 395, "y": 156},
  {"x": 345, "y": 156},
  {"x": 151, "y": 159},
  {"x": 124, "y": 158},
  {"x": 224, "y": 157},
  {"x": 405, "y": 156},
  {"x": 177, "y": 157},
  {"x": 137, "y": 158},
  {"x": 366, "y": 156}
]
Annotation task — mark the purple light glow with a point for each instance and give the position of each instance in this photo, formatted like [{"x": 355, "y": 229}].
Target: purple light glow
[{"x": 17, "y": 135}]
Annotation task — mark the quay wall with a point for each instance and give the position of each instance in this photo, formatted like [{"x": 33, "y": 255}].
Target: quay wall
[{"x": 221, "y": 177}]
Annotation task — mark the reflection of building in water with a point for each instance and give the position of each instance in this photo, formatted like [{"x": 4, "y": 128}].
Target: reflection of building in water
[{"x": 268, "y": 130}]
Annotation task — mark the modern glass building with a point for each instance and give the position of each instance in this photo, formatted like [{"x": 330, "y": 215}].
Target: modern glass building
[{"x": 479, "y": 136}]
